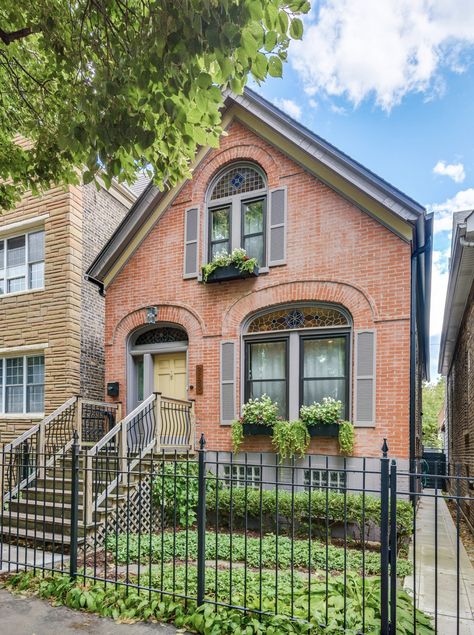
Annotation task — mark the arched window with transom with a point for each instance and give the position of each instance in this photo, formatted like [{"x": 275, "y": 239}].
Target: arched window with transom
[
  {"x": 298, "y": 354},
  {"x": 237, "y": 212}
]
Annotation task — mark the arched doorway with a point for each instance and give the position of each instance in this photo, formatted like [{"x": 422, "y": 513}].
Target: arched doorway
[{"x": 157, "y": 363}]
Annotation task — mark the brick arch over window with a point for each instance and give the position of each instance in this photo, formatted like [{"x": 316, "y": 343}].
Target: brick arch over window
[
  {"x": 174, "y": 314},
  {"x": 239, "y": 153},
  {"x": 359, "y": 304}
]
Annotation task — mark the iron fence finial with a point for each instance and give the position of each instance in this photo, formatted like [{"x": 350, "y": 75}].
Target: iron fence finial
[
  {"x": 385, "y": 448},
  {"x": 202, "y": 441}
]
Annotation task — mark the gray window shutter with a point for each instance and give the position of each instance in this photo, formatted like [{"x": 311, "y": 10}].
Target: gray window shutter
[
  {"x": 364, "y": 402},
  {"x": 277, "y": 227},
  {"x": 191, "y": 233},
  {"x": 227, "y": 382}
]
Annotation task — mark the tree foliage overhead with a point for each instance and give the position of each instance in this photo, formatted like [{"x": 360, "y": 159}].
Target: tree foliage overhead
[
  {"x": 433, "y": 399},
  {"x": 121, "y": 85}
]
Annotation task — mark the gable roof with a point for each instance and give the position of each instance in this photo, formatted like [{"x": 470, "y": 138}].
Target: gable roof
[
  {"x": 461, "y": 279},
  {"x": 339, "y": 171}
]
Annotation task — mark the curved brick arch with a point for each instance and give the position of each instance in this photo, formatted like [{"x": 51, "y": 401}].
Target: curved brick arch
[
  {"x": 177, "y": 314},
  {"x": 358, "y": 302},
  {"x": 242, "y": 152}
]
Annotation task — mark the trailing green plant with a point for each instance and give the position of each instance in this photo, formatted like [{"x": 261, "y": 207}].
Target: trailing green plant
[
  {"x": 237, "y": 435},
  {"x": 295, "y": 507},
  {"x": 290, "y": 438},
  {"x": 346, "y": 601},
  {"x": 346, "y": 437},
  {"x": 238, "y": 257},
  {"x": 326, "y": 412},
  {"x": 268, "y": 552}
]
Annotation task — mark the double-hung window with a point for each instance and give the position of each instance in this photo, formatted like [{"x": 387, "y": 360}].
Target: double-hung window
[
  {"x": 22, "y": 262},
  {"x": 22, "y": 384},
  {"x": 237, "y": 213}
]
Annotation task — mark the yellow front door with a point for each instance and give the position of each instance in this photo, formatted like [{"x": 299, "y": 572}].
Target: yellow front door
[{"x": 170, "y": 374}]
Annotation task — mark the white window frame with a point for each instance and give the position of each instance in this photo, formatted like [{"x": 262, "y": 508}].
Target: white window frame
[
  {"x": 242, "y": 475},
  {"x": 235, "y": 202},
  {"x": 3, "y": 384},
  {"x": 4, "y": 238},
  {"x": 320, "y": 479}
]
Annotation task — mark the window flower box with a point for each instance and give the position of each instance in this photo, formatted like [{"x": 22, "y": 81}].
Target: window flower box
[
  {"x": 231, "y": 272},
  {"x": 232, "y": 266},
  {"x": 256, "y": 429},
  {"x": 323, "y": 429}
]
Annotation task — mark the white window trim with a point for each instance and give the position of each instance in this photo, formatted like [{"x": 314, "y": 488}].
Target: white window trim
[
  {"x": 27, "y": 264},
  {"x": 20, "y": 227},
  {"x": 3, "y": 386},
  {"x": 235, "y": 203}
]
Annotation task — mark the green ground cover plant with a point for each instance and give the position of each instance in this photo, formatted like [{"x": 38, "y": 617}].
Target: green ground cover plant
[
  {"x": 292, "y": 596},
  {"x": 133, "y": 548}
]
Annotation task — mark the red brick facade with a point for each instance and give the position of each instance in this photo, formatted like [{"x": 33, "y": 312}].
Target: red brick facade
[{"x": 335, "y": 253}]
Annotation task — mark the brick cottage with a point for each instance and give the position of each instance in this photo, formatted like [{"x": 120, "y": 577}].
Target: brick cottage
[{"x": 339, "y": 307}]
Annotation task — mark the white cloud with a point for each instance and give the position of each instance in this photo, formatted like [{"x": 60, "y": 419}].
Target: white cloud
[
  {"x": 455, "y": 171},
  {"x": 443, "y": 212},
  {"x": 290, "y": 107},
  {"x": 384, "y": 48}
]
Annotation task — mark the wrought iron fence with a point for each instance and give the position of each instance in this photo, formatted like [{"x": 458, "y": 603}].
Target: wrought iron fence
[{"x": 340, "y": 543}]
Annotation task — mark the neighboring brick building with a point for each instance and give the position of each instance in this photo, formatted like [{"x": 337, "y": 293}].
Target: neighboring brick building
[
  {"x": 51, "y": 325},
  {"x": 337, "y": 248},
  {"x": 456, "y": 360}
]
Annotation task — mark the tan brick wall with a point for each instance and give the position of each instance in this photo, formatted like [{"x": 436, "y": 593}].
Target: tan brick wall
[
  {"x": 336, "y": 253},
  {"x": 49, "y": 316}
]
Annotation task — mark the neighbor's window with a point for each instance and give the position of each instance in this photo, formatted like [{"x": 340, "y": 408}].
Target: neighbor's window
[
  {"x": 22, "y": 263},
  {"x": 22, "y": 384},
  {"x": 237, "y": 204},
  {"x": 243, "y": 475},
  {"x": 324, "y": 479}
]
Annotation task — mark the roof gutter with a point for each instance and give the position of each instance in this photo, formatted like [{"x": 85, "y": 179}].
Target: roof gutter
[{"x": 98, "y": 283}]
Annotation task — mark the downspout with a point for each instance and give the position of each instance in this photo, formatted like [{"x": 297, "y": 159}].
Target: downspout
[{"x": 419, "y": 249}]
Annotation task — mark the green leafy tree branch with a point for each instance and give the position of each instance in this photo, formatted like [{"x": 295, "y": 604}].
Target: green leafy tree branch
[{"x": 124, "y": 85}]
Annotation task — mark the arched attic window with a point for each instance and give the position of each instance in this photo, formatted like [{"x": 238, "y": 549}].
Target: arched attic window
[{"x": 237, "y": 212}]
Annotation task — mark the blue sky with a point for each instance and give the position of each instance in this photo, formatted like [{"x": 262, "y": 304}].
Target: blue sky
[{"x": 391, "y": 83}]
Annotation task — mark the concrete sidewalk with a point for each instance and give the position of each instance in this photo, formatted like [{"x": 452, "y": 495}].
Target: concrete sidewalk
[
  {"x": 31, "y": 616},
  {"x": 425, "y": 572}
]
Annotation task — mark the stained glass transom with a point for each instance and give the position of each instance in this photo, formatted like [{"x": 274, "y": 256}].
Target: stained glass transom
[
  {"x": 297, "y": 318},
  {"x": 161, "y": 335},
  {"x": 237, "y": 180}
]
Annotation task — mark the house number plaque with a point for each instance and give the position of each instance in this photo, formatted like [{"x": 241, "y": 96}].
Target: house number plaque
[{"x": 199, "y": 379}]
